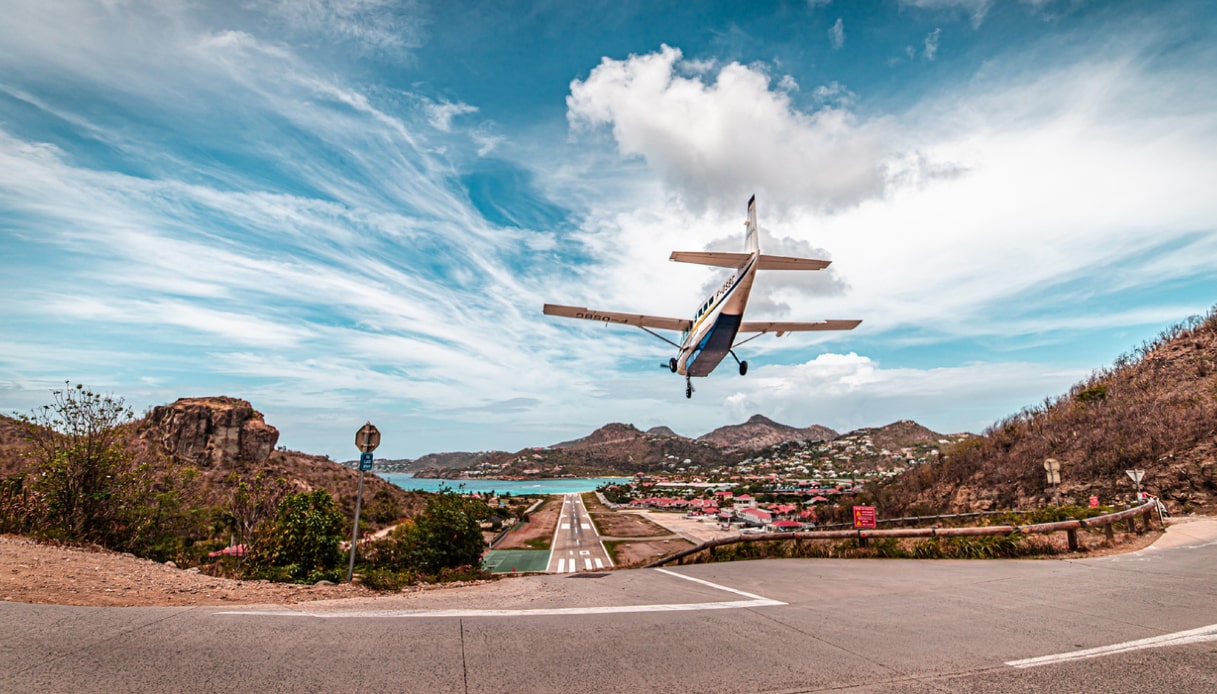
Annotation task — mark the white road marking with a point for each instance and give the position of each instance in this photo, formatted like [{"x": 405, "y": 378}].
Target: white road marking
[
  {"x": 585, "y": 526},
  {"x": 587, "y": 563},
  {"x": 1179, "y": 638},
  {"x": 755, "y": 601},
  {"x": 599, "y": 564},
  {"x": 562, "y": 566},
  {"x": 584, "y": 552},
  {"x": 566, "y": 526}
]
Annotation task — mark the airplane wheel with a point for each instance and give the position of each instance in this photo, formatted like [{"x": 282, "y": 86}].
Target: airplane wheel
[
  {"x": 672, "y": 364},
  {"x": 689, "y": 391},
  {"x": 743, "y": 368}
]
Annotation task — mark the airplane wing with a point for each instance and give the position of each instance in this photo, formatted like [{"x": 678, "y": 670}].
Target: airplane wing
[
  {"x": 781, "y": 328},
  {"x": 738, "y": 260},
  {"x": 642, "y": 321}
]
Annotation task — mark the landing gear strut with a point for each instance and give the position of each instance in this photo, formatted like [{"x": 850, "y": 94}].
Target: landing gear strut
[
  {"x": 688, "y": 387},
  {"x": 743, "y": 365}
]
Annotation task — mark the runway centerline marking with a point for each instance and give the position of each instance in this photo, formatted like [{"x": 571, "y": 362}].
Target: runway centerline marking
[
  {"x": 1179, "y": 638},
  {"x": 752, "y": 601}
]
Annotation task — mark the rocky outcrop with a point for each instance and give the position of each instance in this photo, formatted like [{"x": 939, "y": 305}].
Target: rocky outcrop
[{"x": 212, "y": 432}]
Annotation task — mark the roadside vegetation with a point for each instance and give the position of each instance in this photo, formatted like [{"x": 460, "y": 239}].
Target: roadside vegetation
[
  {"x": 80, "y": 480},
  {"x": 1154, "y": 409}
]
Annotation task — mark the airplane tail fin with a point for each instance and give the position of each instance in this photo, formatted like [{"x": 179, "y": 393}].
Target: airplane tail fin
[{"x": 753, "y": 242}]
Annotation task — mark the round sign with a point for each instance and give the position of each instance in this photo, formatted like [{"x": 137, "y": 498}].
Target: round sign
[{"x": 367, "y": 438}]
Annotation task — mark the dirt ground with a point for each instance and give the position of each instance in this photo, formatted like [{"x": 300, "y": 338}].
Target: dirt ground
[
  {"x": 38, "y": 573},
  {"x": 540, "y": 526}
]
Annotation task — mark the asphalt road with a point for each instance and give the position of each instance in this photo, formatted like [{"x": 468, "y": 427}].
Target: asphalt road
[
  {"x": 576, "y": 545},
  {"x": 771, "y": 626}
]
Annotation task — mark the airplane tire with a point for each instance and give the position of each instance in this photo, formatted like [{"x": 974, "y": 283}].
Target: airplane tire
[
  {"x": 689, "y": 391},
  {"x": 672, "y": 364},
  {"x": 743, "y": 368}
]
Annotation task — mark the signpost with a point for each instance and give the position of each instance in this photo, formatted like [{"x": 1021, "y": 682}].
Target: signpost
[
  {"x": 1136, "y": 476},
  {"x": 1053, "y": 467},
  {"x": 366, "y": 440},
  {"x": 864, "y": 518}
]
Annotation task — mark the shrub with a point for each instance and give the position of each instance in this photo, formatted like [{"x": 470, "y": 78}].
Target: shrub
[{"x": 301, "y": 544}]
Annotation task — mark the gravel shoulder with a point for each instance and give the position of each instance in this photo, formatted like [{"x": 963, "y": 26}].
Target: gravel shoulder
[{"x": 32, "y": 572}]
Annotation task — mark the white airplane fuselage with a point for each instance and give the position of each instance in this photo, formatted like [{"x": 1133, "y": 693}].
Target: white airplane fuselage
[{"x": 716, "y": 324}]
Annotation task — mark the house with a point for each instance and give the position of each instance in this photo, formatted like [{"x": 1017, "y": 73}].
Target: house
[{"x": 755, "y": 517}]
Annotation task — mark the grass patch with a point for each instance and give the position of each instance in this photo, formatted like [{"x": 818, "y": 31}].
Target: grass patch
[{"x": 537, "y": 543}]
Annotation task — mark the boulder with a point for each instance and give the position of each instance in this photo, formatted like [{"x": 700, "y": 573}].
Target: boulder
[{"x": 213, "y": 432}]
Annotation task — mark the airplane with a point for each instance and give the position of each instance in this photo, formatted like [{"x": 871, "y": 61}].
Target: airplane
[{"x": 709, "y": 336}]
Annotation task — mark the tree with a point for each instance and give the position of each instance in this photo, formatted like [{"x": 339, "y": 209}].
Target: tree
[
  {"x": 302, "y": 542},
  {"x": 252, "y": 502},
  {"x": 447, "y": 533},
  {"x": 77, "y": 449}
]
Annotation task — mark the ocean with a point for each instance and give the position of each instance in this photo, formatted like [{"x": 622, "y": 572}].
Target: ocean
[{"x": 514, "y": 487}]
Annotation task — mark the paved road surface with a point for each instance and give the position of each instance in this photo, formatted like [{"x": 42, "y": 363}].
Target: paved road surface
[
  {"x": 1145, "y": 622},
  {"x": 576, "y": 545}
]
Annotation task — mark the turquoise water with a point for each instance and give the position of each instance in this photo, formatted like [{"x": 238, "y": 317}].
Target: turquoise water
[{"x": 514, "y": 487}]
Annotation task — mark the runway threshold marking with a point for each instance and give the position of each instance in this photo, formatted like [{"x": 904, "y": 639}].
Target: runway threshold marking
[
  {"x": 751, "y": 601},
  {"x": 1179, "y": 638}
]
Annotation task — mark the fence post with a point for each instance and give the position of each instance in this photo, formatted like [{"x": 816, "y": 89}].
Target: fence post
[
  {"x": 1109, "y": 532},
  {"x": 1131, "y": 521},
  {"x": 863, "y": 541},
  {"x": 1072, "y": 534}
]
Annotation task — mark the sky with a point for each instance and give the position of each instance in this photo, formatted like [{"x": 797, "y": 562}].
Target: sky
[{"x": 353, "y": 210}]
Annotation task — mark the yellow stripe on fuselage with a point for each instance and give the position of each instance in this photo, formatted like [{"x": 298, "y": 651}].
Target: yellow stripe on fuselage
[{"x": 715, "y": 307}]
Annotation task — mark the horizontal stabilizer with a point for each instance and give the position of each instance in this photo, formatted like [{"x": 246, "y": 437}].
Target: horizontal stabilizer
[
  {"x": 782, "y": 262},
  {"x": 711, "y": 258},
  {"x": 738, "y": 260},
  {"x": 640, "y": 320},
  {"x": 781, "y": 327}
]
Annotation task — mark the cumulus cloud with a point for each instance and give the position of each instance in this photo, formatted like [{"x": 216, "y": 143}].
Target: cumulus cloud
[{"x": 729, "y": 133}]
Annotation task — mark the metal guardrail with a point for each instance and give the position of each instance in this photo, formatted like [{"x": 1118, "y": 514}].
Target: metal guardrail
[{"x": 1070, "y": 527}]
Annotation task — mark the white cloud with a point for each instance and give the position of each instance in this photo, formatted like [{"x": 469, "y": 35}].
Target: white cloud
[
  {"x": 975, "y": 9},
  {"x": 931, "y": 44},
  {"x": 723, "y": 139},
  {"x": 441, "y": 113},
  {"x": 848, "y": 391},
  {"x": 836, "y": 35},
  {"x": 379, "y": 26}
]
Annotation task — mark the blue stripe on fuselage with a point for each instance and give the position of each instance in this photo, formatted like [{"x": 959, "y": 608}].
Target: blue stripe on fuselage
[{"x": 714, "y": 346}]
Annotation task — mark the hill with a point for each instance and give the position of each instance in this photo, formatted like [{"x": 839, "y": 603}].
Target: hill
[
  {"x": 760, "y": 431},
  {"x": 613, "y": 449},
  {"x": 1155, "y": 409},
  {"x": 862, "y": 453}
]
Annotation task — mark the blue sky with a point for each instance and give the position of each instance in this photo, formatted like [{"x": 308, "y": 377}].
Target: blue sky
[{"x": 350, "y": 210}]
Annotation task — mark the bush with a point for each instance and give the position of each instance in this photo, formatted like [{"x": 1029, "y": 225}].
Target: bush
[
  {"x": 301, "y": 545},
  {"x": 443, "y": 539}
]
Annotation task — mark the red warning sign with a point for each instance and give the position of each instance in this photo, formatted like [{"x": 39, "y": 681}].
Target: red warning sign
[{"x": 864, "y": 517}]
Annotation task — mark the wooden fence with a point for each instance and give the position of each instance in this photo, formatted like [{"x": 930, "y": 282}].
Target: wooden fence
[{"x": 1069, "y": 527}]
